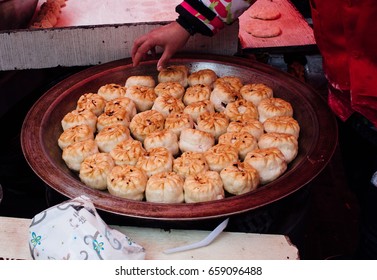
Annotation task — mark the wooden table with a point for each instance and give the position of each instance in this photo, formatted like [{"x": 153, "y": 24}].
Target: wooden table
[
  {"x": 296, "y": 32},
  {"x": 227, "y": 246}
]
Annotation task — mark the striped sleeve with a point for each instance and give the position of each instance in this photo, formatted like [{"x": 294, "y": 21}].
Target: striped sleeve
[{"x": 209, "y": 16}]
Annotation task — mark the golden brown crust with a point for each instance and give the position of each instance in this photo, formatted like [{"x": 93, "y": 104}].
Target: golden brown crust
[
  {"x": 146, "y": 122},
  {"x": 202, "y": 77},
  {"x": 270, "y": 163},
  {"x": 93, "y": 102},
  {"x": 220, "y": 156},
  {"x": 111, "y": 91},
  {"x": 273, "y": 107},
  {"x": 165, "y": 187},
  {"x": 95, "y": 169},
  {"x": 214, "y": 123},
  {"x": 127, "y": 181},
  {"x": 205, "y": 186},
  {"x": 239, "y": 178}
]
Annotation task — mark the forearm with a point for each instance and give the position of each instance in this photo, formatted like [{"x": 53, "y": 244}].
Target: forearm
[{"x": 208, "y": 16}]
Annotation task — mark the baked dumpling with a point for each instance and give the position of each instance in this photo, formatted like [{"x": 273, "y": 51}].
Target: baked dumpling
[
  {"x": 167, "y": 104},
  {"x": 286, "y": 143},
  {"x": 239, "y": 178},
  {"x": 74, "y": 154},
  {"x": 270, "y": 163},
  {"x": 223, "y": 94},
  {"x": 214, "y": 123},
  {"x": 75, "y": 134},
  {"x": 146, "y": 122},
  {"x": 165, "y": 187},
  {"x": 176, "y": 122},
  {"x": 233, "y": 81},
  {"x": 95, "y": 169},
  {"x": 197, "y": 108},
  {"x": 111, "y": 91},
  {"x": 243, "y": 141},
  {"x": 127, "y": 152},
  {"x": 110, "y": 136},
  {"x": 252, "y": 126},
  {"x": 241, "y": 110},
  {"x": 162, "y": 138},
  {"x": 205, "y": 186},
  {"x": 282, "y": 124},
  {"x": 190, "y": 163},
  {"x": 174, "y": 73},
  {"x": 174, "y": 89},
  {"x": 122, "y": 102},
  {"x": 196, "y": 93},
  {"x": 220, "y": 156},
  {"x": 142, "y": 96},
  {"x": 273, "y": 107},
  {"x": 202, "y": 77},
  {"x": 193, "y": 140},
  {"x": 109, "y": 117},
  {"x": 146, "y": 81},
  {"x": 156, "y": 160},
  {"x": 127, "y": 181},
  {"x": 93, "y": 102},
  {"x": 256, "y": 92},
  {"x": 77, "y": 117}
]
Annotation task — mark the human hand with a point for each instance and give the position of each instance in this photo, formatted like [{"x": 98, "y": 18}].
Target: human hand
[{"x": 170, "y": 37}]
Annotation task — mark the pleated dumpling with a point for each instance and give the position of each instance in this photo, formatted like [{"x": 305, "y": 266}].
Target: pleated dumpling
[
  {"x": 162, "y": 138},
  {"x": 77, "y": 117},
  {"x": 122, "y": 102},
  {"x": 146, "y": 122},
  {"x": 273, "y": 107},
  {"x": 220, "y": 156},
  {"x": 197, "y": 108},
  {"x": 75, "y": 134},
  {"x": 155, "y": 161},
  {"x": 239, "y": 178},
  {"x": 165, "y": 187},
  {"x": 194, "y": 140},
  {"x": 127, "y": 181},
  {"x": 110, "y": 136},
  {"x": 166, "y": 104},
  {"x": 111, "y": 91},
  {"x": 252, "y": 126},
  {"x": 95, "y": 169},
  {"x": 270, "y": 163},
  {"x": 142, "y": 96},
  {"x": 109, "y": 117},
  {"x": 190, "y": 163},
  {"x": 93, "y": 102},
  {"x": 256, "y": 92},
  {"x": 174, "y": 89},
  {"x": 241, "y": 110},
  {"x": 205, "y": 186},
  {"x": 286, "y": 143},
  {"x": 127, "y": 152},
  {"x": 176, "y": 122},
  {"x": 74, "y": 154},
  {"x": 213, "y": 123},
  {"x": 244, "y": 142},
  {"x": 282, "y": 124}
]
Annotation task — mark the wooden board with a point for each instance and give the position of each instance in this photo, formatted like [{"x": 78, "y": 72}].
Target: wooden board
[
  {"x": 245, "y": 246},
  {"x": 295, "y": 30}
]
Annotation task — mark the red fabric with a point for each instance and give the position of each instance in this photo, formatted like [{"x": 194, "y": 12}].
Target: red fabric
[{"x": 346, "y": 34}]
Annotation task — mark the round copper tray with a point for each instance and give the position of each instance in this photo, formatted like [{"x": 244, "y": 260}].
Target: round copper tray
[{"x": 42, "y": 127}]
